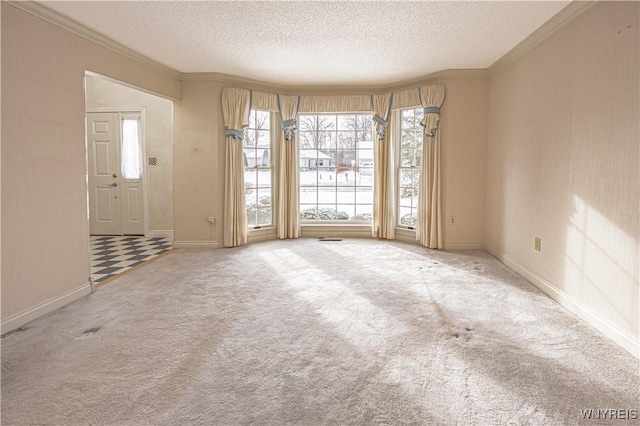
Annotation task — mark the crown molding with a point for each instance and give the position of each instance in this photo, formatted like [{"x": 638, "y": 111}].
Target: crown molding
[
  {"x": 558, "y": 21},
  {"x": 435, "y": 77},
  {"x": 241, "y": 82},
  {"x": 43, "y": 12},
  {"x": 248, "y": 83}
]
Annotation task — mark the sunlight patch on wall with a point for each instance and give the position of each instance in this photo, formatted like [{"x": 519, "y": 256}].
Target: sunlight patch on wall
[{"x": 601, "y": 267}]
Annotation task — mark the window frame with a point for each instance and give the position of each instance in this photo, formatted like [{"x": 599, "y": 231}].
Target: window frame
[
  {"x": 333, "y": 167},
  {"x": 257, "y": 168},
  {"x": 415, "y": 167}
]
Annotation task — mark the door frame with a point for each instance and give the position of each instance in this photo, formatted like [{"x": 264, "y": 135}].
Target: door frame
[{"x": 145, "y": 171}]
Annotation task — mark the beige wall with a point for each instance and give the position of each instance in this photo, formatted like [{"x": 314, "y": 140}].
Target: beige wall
[
  {"x": 563, "y": 159},
  {"x": 464, "y": 161},
  {"x": 45, "y": 229},
  {"x": 199, "y": 161},
  {"x": 102, "y": 93}
]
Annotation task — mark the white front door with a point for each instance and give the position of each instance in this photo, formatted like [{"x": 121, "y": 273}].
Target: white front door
[{"x": 116, "y": 194}]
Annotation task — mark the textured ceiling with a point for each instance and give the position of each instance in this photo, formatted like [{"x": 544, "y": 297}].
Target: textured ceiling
[{"x": 309, "y": 42}]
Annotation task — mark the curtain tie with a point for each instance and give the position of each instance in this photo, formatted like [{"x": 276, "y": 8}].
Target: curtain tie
[
  {"x": 431, "y": 110},
  {"x": 236, "y": 134},
  {"x": 383, "y": 125},
  {"x": 289, "y": 128}
]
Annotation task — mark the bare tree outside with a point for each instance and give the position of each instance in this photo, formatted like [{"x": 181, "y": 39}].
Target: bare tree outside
[
  {"x": 258, "y": 127},
  {"x": 361, "y": 125},
  {"x": 315, "y": 131}
]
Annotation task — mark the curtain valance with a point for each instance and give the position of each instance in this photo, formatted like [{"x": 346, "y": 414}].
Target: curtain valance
[
  {"x": 236, "y": 104},
  {"x": 407, "y": 98},
  {"x": 337, "y": 103},
  {"x": 265, "y": 101},
  {"x": 431, "y": 98}
]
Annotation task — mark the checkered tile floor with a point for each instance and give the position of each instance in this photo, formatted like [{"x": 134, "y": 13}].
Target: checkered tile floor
[{"x": 113, "y": 255}]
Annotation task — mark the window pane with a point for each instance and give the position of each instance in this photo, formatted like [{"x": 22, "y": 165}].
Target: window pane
[
  {"x": 251, "y": 197},
  {"x": 257, "y": 163},
  {"x": 346, "y": 212},
  {"x": 264, "y": 215},
  {"x": 263, "y": 157},
  {"x": 365, "y": 176},
  {"x": 346, "y": 159},
  {"x": 264, "y": 197},
  {"x": 250, "y": 178},
  {"x": 264, "y": 138},
  {"x": 326, "y": 195},
  {"x": 262, "y": 120},
  {"x": 346, "y": 140},
  {"x": 337, "y": 146},
  {"x": 410, "y": 156},
  {"x": 408, "y": 217},
  {"x": 346, "y": 122},
  {"x": 328, "y": 143},
  {"x": 308, "y": 159},
  {"x": 249, "y": 137},
  {"x": 407, "y": 196},
  {"x": 407, "y": 177},
  {"x": 131, "y": 167},
  {"x": 326, "y": 176},
  {"x": 306, "y": 139},
  {"x": 308, "y": 177},
  {"x": 364, "y": 195},
  {"x": 308, "y": 195},
  {"x": 308, "y": 212},
  {"x": 264, "y": 178},
  {"x": 346, "y": 195},
  {"x": 327, "y": 212},
  {"x": 364, "y": 213}
]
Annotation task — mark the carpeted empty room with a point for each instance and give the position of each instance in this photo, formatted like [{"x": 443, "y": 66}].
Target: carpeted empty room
[{"x": 314, "y": 332}]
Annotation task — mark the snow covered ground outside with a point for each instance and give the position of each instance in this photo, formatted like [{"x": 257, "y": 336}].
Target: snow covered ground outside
[{"x": 348, "y": 192}]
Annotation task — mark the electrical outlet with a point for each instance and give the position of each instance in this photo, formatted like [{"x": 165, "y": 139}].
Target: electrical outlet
[
  {"x": 452, "y": 220},
  {"x": 211, "y": 220},
  {"x": 537, "y": 243}
]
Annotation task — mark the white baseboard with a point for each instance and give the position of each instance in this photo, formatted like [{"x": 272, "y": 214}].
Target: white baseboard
[
  {"x": 471, "y": 246},
  {"x": 160, "y": 233},
  {"x": 28, "y": 315},
  {"x": 198, "y": 244},
  {"x": 626, "y": 341}
]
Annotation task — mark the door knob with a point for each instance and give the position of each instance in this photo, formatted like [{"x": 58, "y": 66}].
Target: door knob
[
  {"x": 115, "y": 175},
  {"x": 114, "y": 184}
]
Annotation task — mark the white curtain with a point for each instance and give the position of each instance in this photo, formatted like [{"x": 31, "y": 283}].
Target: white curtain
[
  {"x": 429, "y": 229},
  {"x": 236, "y": 104},
  {"x": 383, "y": 223},
  {"x": 288, "y": 208}
]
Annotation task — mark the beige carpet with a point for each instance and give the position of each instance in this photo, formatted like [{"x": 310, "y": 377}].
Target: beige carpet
[{"x": 308, "y": 332}]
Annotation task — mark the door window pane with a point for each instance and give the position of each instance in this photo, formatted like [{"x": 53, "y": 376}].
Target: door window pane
[{"x": 131, "y": 153}]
